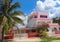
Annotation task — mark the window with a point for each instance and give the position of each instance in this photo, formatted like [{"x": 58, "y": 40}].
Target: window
[
  {"x": 55, "y": 29},
  {"x": 38, "y": 30},
  {"x": 43, "y": 16},
  {"x": 22, "y": 31},
  {"x": 38, "y": 23},
  {"x": 49, "y": 22},
  {"x": 33, "y": 30},
  {"x": 27, "y": 31},
  {"x": 35, "y": 16},
  {"x": 15, "y": 32}
]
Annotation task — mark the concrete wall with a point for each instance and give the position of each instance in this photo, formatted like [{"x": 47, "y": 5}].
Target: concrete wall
[{"x": 31, "y": 23}]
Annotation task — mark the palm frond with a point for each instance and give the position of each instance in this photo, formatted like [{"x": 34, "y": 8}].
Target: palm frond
[
  {"x": 19, "y": 13},
  {"x": 14, "y": 6},
  {"x": 18, "y": 20},
  {"x": 7, "y": 1},
  {"x": 10, "y": 1},
  {"x": 10, "y": 24}
]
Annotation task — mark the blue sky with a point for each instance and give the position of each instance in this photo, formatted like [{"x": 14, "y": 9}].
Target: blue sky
[{"x": 27, "y": 5}]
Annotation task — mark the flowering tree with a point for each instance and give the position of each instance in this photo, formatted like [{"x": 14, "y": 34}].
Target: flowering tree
[
  {"x": 42, "y": 29},
  {"x": 43, "y": 26}
]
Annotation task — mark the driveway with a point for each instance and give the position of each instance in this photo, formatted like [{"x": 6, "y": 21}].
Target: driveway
[
  {"x": 55, "y": 41},
  {"x": 25, "y": 40}
]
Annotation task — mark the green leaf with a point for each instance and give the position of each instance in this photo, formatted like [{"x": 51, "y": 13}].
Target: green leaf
[
  {"x": 19, "y": 13},
  {"x": 6, "y": 28},
  {"x": 18, "y": 20},
  {"x": 14, "y": 6}
]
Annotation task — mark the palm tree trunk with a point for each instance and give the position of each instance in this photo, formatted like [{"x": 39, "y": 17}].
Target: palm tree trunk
[
  {"x": 2, "y": 26},
  {"x": 2, "y": 35}
]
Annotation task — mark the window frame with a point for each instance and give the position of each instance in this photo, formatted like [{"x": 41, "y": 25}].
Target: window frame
[{"x": 43, "y": 16}]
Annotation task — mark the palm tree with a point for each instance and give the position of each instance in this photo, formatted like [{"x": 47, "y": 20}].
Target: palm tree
[
  {"x": 59, "y": 21},
  {"x": 56, "y": 20},
  {"x": 9, "y": 16}
]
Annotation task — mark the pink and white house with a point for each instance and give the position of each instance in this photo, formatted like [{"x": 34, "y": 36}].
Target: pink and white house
[{"x": 36, "y": 18}]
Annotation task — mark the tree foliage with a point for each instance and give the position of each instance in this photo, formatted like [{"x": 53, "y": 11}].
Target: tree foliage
[
  {"x": 56, "y": 20},
  {"x": 8, "y": 16}
]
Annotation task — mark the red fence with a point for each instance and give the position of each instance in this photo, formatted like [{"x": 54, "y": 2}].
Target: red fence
[
  {"x": 33, "y": 35},
  {"x": 10, "y": 36},
  {"x": 57, "y": 32}
]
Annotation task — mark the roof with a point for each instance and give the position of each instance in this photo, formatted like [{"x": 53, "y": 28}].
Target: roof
[
  {"x": 54, "y": 24},
  {"x": 41, "y": 13},
  {"x": 43, "y": 19}
]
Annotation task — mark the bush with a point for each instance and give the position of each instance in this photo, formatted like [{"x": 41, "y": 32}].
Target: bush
[{"x": 44, "y": 33}]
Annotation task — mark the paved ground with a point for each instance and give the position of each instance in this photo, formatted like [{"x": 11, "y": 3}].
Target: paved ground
[
  {"x": 55, "y": 41},
  {"x": 25, "y": 40}
]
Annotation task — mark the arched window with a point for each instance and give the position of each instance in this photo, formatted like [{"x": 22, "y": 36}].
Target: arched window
[
  {"x": 35, "y": 16},
  {"x": 55, "y": 28}
]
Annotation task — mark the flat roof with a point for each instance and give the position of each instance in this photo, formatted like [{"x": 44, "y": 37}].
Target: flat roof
[{"x": 54, "y": 24}]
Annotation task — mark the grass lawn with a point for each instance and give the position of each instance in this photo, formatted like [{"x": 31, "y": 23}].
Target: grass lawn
[{"x": 49, "y": 39}]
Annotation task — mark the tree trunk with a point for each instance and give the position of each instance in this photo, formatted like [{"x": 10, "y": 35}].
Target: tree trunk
[
  {"x": 2, "y": 26},
  {"x": 2, "y": 35}
]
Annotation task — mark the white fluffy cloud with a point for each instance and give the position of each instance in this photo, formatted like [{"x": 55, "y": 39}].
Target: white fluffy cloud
[
  {"x": 58, "y": 1},
  {"x": 57, "y": 12},
  {"x": 48, "y": 6},
  {"x": 50, "y": 3},
  {"x": 40, "y": 5}
]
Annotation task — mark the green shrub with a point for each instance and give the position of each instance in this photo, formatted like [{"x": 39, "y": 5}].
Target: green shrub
[
  {"x": 6, "y": 29},
  {"x": 44, "y": 33}
]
